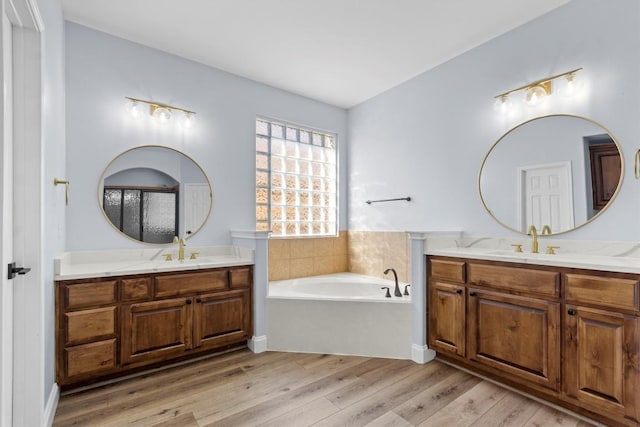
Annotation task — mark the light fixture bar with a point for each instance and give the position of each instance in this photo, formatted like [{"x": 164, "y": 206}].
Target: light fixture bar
[
  {"x": 160, "y": 105},
  {"x": 542, "y": 82}
]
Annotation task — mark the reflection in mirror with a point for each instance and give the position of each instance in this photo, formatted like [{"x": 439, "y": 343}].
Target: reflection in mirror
[
  {"x": 153, "y": 193},
  {"x": 558, "y": 170}
]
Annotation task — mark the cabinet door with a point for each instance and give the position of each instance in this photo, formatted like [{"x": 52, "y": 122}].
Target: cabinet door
[
  {"x": 517, "y": 335},
  {"x": 222, "y": 319},
  {"x": 601, "y": 359},
  {"x": 447, "y": 318},
  {"x": 156, "y": 330}
]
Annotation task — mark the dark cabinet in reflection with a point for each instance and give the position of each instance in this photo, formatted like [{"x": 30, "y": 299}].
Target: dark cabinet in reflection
[{"x": 605, "y": 173}]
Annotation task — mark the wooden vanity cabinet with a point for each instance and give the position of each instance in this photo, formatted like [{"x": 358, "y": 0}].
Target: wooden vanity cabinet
[
  {"x": 602, "y": 342},
  {"x": 87, "y": 329},
  {"x": 109, "y": 327},
  {"x": 571, "y": 336},
  {"x": 447, "y": 296}
]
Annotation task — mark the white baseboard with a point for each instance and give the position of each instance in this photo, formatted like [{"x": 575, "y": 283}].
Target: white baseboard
[
  {"x": 52, "y": 405},
  {"x": 421, "y": 354},
  {"x": 258, "y": 344}
]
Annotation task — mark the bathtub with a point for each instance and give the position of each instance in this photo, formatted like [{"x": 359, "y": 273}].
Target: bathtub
[{"x": 342, "y": 313}]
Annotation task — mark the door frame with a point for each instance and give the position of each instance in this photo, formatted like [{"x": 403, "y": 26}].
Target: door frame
[
  {"x": 6, "y": 232},
  {"x": 29, "y": 352}
]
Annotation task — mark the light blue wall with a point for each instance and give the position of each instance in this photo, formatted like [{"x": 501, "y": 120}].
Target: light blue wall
[
  {"x": 427, "y": 137},
  {"x": 53, "y": 136},
  {"x": 102, "y": 70}
]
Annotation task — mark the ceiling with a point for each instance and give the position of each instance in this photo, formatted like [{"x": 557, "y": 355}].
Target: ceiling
[{"x": 341, "y": 52}]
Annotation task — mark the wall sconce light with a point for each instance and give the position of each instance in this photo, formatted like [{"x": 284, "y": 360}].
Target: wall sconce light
[
  {"x": 538, "y": 91},
  {"x": 159, "y": 111}
]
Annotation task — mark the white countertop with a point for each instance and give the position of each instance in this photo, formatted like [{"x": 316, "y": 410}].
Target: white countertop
[
  {"x": 623, "y": 264},
  {"x": 89, "y": 264}
]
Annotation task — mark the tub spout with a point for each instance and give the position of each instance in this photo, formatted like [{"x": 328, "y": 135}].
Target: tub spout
[{"x": 396, "y": 292}]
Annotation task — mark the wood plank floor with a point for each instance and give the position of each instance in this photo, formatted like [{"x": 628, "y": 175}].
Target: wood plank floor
[{"x": 291, "y": 389}]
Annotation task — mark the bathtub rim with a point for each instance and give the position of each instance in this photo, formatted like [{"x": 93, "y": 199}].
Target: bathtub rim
[{"x": 344, "y": 275}]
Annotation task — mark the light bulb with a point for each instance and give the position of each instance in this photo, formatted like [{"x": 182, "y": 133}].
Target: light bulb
[
  {"x": 573, "y": 85},
  {"x": 161, "y": 114},
  {"x": 135, "y": 109},
  {"x": 188, "y": 120},
  {"x": 503, "y": 104},
  {"x": 536, "y": 95}
]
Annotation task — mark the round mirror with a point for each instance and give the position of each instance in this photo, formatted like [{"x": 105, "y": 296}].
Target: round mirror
[
  {"x": 153, "y": 193},
  {"x": 560, "y": 171}
]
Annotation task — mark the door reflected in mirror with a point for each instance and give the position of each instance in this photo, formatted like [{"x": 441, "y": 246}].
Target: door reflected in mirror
[
  {"x": 153, "y": 193},
  {"x": 560, "y": 171}
]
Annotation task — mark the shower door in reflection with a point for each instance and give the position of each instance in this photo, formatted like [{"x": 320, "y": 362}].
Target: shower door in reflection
[{"x": 146, "y": 214}]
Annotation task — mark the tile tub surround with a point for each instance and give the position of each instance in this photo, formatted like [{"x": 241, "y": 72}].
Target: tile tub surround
[
  {"x": 362, "y": 252},
  {"x": 372, "y": 252},
  {"x": 302, "y": 257}
]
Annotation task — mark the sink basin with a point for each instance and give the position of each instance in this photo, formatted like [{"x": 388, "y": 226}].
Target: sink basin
[{"x": 508, "y": 252}]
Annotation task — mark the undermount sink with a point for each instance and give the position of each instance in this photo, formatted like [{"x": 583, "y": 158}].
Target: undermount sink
[{"x": 508, "y": 252}]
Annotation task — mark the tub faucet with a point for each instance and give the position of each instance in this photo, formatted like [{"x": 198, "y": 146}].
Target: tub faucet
[{"x": 395, "y": 276}]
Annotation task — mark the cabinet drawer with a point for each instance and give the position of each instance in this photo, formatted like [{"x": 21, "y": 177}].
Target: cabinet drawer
[
  {"x": 448, "y": 270},
  {"x": 241, "y": 278},
  {"x": 526, "y": 280},
  {"x": 184, "y": 284},
  {"x": 90, "y": 358},
  {"x": 605, "y": 291},
  {"x": 87, "y": 294},
  {"x": 138, "y": 288},
  {"x": 90, "y": 325}
]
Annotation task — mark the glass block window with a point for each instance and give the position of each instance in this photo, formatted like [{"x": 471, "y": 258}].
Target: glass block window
[{"x": 296, "y": 180}]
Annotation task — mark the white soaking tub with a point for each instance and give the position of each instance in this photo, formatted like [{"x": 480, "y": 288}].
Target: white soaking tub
[{"x": 342, "y": 313}]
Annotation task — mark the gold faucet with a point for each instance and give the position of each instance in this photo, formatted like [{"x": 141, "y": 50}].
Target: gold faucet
[
  {"x": 545, "y": 230},
  {"x": 534, "y": 244},
  {"x": 181, "y": 243}
]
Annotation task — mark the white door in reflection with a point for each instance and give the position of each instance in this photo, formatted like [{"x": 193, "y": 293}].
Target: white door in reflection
[
  {"x": 545, "y": 197},
  {"x": 197, "y": 199}
]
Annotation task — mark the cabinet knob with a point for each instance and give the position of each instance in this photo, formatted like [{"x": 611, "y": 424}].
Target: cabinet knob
[
  {"x": 459, "y": 291},
  {"x": 188, "y": 301},
  {"x": 472, "y": 294},
  {"x": 571, "y": 312},
  {"x": 198, "y": 300}
]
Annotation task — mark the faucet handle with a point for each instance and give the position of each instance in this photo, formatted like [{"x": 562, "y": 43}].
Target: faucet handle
[
  {"x": 388, "y": 294},
  {"x": 518, "y": 247},
  {"x": 194, "y": 255},
  {"x": 551, "y": 249},
  {"x": 167, "y": 257},
  {"x": 406, "y": 292}
]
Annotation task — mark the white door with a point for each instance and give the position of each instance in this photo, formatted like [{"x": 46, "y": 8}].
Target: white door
[
  {"x": 197, "y": 204},
  {"x": 546, "y": 197},
  {"x": 6, "y": 230}
]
